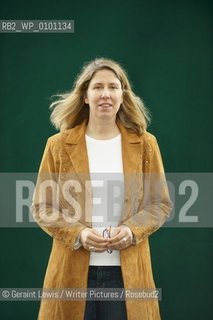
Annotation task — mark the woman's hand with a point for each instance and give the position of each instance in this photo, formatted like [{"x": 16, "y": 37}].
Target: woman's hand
[
  {"x": 92, "y": 240},
  {"x": 121, "y": 238}
]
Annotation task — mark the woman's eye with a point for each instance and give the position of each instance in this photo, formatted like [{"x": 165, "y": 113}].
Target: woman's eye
[{"x": 111, "y": 87}]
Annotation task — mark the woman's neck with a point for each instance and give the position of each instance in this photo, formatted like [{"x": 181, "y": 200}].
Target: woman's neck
[{"x": 102, "y": 131}]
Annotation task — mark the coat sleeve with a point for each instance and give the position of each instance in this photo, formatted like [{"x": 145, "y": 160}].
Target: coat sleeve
[
  {"x": 155, "y": 205},
  {"x": 46, "y": 206}
]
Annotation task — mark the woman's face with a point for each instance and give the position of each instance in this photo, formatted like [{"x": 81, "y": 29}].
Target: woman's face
[{"x": 104, "y": 95}]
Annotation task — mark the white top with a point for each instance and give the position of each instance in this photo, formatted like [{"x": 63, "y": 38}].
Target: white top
[{"x": 106, "y": 172}]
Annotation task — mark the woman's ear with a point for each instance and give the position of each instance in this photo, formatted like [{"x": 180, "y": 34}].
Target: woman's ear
[{"x": 86, "y": 100}]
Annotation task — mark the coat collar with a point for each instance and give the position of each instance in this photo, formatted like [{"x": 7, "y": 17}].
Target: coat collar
[{"x": 75, "y": 145}]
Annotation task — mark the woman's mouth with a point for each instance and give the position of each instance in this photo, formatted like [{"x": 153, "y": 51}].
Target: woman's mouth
[{"x": 105, "y": 105}]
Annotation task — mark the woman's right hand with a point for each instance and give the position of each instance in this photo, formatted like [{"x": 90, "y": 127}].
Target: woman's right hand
[{"x": 93, "y": 240}]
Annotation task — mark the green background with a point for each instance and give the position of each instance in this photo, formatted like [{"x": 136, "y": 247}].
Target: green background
[{"x": 166, "y": 47}]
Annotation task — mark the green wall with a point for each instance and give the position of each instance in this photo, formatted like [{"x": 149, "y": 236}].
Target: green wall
[{"x": 166, "y": 47}]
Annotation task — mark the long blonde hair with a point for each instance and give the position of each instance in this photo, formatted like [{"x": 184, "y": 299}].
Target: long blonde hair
[{"x": 70, "y": 109}]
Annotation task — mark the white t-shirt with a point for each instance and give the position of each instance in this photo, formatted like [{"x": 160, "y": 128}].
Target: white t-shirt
[{"x": 106, "y": 172}]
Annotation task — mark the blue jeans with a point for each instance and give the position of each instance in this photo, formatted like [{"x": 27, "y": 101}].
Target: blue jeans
[{"x": 105, "y": 277}]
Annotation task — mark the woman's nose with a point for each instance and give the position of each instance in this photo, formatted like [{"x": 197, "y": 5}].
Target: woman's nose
[{"x": 105, "y": 93}]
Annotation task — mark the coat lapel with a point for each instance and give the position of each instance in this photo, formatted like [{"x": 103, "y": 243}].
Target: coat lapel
[
  {"x": 75, "y": 146},
  {"x": 131, "y": 150}
]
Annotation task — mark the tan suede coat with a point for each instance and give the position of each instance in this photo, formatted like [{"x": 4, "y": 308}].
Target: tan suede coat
[{"x": 146, "y": 208}]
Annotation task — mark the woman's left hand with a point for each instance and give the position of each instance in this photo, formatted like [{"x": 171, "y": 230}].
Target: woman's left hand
[{"x": 121, "y": 238}]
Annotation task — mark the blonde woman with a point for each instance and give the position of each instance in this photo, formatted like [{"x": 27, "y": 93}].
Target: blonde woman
[{"x": 101, "y": 192}]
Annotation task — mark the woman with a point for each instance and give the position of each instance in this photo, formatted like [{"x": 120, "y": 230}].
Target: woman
[{"x": 100, "y": 237}]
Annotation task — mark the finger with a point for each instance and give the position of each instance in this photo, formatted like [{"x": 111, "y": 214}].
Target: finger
[
  {"x": 96, "y": 241},
  {"x": 117, "y": 238},
  {"x": 120, "y": 243},
  {"x": 96, "y": 238},
  {"x": 98, "y": 245},
  {"x": 115, "y": 232},
  {"x": 96, "y": 233},
  {"x": 95, "y": 249},
  {"x": 119, "y": 246}
]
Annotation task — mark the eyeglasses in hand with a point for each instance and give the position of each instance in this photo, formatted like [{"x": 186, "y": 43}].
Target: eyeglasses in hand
[{"x": 106, "y": 235}]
